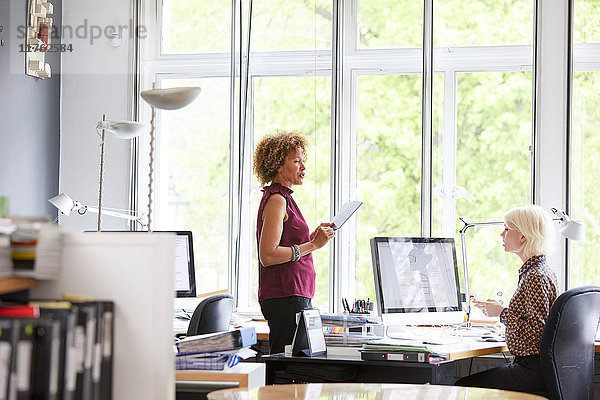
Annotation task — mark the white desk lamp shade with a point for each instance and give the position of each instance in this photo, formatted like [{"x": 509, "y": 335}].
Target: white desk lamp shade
[
  {"x": 64, "y": 203},
  {"x": 164, "y": 99},
  {"x": 122, "y": 129},
  {"x": 573, "y": 230},
  {"x": 172, "y": 98}
]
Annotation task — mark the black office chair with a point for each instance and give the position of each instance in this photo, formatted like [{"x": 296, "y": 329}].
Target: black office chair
[
  {"x": 567, "y": 347},
  {"x": 211, "y": 315}
]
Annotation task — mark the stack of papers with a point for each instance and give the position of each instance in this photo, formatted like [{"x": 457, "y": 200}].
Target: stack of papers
[
  {"x": 215, "y": 351},
  {"x": 6, "y": 265}
]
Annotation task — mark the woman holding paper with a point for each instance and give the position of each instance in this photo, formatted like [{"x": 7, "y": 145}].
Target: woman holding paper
[
  {"x": 528, "y": 233},
  {"x": 286, "y": 280}
]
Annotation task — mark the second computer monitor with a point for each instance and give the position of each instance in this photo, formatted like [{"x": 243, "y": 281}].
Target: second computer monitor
[{"x": 416, "y": 279}]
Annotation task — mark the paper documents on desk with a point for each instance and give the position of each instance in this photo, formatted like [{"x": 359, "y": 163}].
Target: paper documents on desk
[
  {"x": 219, "y": 341},
  {"x": 401, "y": 346},
  {"x": 213, "y": 361}
]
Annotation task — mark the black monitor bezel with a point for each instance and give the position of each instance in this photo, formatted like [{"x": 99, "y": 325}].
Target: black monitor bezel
[
  {"x": 191, "y": 268},
  {"x": 377, "y": 274}
]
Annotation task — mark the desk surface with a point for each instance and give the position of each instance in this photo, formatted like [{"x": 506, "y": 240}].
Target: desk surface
[
  {"x": 248, "y": 375},
  {"x": 455, "y": 351},
  {"x": 366, "y": 390},
  {"x": 460, "y": 351}
]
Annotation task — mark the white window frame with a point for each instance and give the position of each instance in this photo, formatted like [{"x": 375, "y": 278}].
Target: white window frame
[{"x": 549, "y": 177}]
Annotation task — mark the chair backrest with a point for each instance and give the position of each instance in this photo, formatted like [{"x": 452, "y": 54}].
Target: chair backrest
[
  {"x": 567, "y": 346},
  {"x": 211, "y": 315}
]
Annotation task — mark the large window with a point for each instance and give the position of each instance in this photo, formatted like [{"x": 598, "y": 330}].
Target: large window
[
  {"x": 480, "y": 140},
  {"x": 483, "y": 153},
  {"x": 585, "y": 143}
]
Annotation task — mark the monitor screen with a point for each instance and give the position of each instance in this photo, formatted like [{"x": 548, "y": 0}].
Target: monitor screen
[
  {"x": 415, "y": 275},
  {"x": 185, "y": 275}
]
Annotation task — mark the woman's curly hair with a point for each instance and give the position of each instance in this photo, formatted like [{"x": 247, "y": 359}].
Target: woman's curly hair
[{"x": 271, "y": 151}]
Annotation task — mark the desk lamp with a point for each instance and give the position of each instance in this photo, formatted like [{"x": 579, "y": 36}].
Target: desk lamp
[
  {"x": 66, "y": 205},
  {"x": 120, "y": 130},
  {"x": 164, "y": 99},
  {"x": 571, "y": 229}
]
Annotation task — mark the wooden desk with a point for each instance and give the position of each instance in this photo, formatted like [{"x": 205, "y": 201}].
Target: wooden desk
[
  {"x": 248, "y": 375},
  {"x": 281, "y": 369},
  {"x": 261, "y": 327},
  {"x": 367, "y": 391},
  {"x": 470, "y": 349}
]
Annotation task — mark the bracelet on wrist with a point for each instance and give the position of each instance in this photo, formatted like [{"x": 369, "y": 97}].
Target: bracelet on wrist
[{"x": 295, "y": 252}]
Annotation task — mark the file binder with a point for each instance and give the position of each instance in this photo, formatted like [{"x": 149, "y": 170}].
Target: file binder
[
  {"x": 103, "y": 349},
  {"x": 66, "y": 318},
  {"x": 6, "y": 356},
  {"x": 45, "y": 358},
  {"x": 219, "y": 341},
  {"x": 21, "y": 381}
]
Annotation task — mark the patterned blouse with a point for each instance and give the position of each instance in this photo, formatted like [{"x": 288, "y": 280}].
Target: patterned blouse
[{"x": 528, "y": 309}]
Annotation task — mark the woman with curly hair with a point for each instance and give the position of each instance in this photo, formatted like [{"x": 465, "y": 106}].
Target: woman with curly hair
[{"x": 286, "y": 280}]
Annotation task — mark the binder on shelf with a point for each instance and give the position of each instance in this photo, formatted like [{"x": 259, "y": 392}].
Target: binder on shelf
[
  {"x": 21, "y": 381},
  {"x": 62, "y": 312},
  {"x": 45, "y": 362},
  {"x": 219, "y": 341},
  {"x": 6, "y": 356},
  {"x": 85, "y": 331},
  {"x": 103, "y": 349}
]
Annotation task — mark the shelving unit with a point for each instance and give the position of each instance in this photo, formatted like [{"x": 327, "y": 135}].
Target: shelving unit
[
  {"x": 39, "y": 34},
  {"x": 11, "y": 284}
]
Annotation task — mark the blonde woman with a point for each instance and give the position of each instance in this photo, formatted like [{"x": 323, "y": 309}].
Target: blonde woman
[
  {"x": 529, "y": 233},
  {"x": 286, "y": 282}
]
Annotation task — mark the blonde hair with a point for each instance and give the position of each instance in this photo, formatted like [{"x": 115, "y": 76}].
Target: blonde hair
[
  {"x": 271, "y": 151},
  {"x": 536, "y": 225}
]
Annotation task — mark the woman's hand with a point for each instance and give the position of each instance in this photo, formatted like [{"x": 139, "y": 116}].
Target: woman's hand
[
  {"x": 490, "y": 308},
  {"x": 322, "y": 235},
  {"x": 323, "y": 224}
]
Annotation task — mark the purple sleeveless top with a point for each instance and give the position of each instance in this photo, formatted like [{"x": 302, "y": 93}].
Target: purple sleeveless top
[{"x": 290, "y": 278}]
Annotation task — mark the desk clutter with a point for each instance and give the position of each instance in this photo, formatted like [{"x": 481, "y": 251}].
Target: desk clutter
[
  {"x": 359, "y": 307},
  {"x": 215, "y": 351},
  {"x": 30, "y": 247},
  {"x": 57, "y": 350},
  {"x": 350, "y": 330}
]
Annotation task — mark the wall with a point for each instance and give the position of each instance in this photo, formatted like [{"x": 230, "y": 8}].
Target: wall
[
  {"x": 95, "y": 81},
  {"x": 29, "y": 120}
]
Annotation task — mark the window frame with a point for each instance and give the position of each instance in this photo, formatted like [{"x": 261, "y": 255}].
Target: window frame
[{"x": 356, "y": 62}]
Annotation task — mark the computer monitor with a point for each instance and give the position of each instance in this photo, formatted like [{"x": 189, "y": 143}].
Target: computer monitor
[
  {"x": 185, "y": 275},
  {"x": 416, "y": 280}
]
